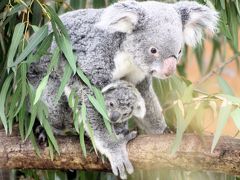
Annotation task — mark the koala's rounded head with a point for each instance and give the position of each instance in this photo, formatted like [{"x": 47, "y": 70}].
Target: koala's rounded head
[
  {"x": 123, "y": 101},
  {"x": 156, "y": 32}
]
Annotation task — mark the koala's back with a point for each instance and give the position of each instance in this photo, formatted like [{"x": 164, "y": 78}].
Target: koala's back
[{"x": 94, "y": 48}]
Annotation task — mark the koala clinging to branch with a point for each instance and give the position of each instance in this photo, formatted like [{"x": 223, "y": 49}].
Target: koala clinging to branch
[{"x": 134, "y": 41}]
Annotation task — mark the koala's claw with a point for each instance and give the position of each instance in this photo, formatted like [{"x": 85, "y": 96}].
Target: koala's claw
[
  {"x": 131, "y": 135},
  {"x": 41, "y": 136},
  {"x": 119, "y": 160}
]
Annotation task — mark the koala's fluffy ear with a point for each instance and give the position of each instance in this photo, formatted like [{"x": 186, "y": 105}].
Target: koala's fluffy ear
[
  {"x": 196, "y": 19},
  {"x": 109, "y": 87},
  {"x": 119, "y": 17}
]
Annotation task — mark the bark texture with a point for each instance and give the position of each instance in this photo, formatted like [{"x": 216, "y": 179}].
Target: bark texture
[{"x": 145, "y": 152}]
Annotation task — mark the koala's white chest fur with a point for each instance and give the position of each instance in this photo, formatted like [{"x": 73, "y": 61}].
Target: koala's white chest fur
[{"x": 126, "y": 69}]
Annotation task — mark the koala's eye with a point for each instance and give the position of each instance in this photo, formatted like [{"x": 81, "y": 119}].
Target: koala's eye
[
  {"x": 111, "y": 104},
  {"x": 125, "y": 114},
  {"x": 153, "y": 50},
  {"x": 180, "y": 51}
]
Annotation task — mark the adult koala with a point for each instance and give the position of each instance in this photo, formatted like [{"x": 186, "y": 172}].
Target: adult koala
[{"x": 133, "y": 41}]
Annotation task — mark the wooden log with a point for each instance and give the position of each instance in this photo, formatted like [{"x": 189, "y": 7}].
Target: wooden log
[{"x": 145, "y": 152}]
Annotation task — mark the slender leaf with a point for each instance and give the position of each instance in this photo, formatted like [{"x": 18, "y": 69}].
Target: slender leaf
[
  {"x": 17, "y": 36},
  {"x": 66, "y": 47},
  {"x": 66, "y": 76},
  {"x": 84, "y": 78},
  {"x": 222, "y": 119},
  {"x": 40, "y": 88},
  {"x": 34, "y": 143},
  {"x": 35, "y": 39},
  {"x": 3, "y": 95},
  {"x": 44, "y": 46},
  {"x": 224, "y": 86},
  {"x": 34, "y": 110},
  {"x": 236, "y": 117},
  {"x": 98, "y": 106},
  {"x": 50, "y": 135}
]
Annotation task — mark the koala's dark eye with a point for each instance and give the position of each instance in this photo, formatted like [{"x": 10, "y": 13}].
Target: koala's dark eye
[
  {"x": 125, "y": 114},
  {"x": 153, "y": 50},
  {"x": 111, "y": 104},
  {"x": 180, "y": 51}
]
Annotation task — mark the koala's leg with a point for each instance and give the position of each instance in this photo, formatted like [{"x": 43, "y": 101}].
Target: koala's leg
[
  {"x": 114, "y": 148},
  {"x": 153, "y": 122}
]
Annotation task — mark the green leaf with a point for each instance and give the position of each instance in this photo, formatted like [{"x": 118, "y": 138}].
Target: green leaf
[
  {"x": 222, "y": 119},
  {"x": 66, "y": 76},
  {"x": 44, "y": 46},
  {"x": 3, "y": 95},
  {"x": 51, "y": 150},
  {"x": 237, "y": 7},
  {"x": 88, "y": 125},
  {"x": 57, "y": 20},
  {"x": 21, "y": 118},
  {"x": 63, "y": 41},
  {"x": 15, "y": 9},
  {"x": 98, "y": 107},
  {"x": 48, "y": 130},
  {"x": 17, "y": 36},
  {"x": 100, "y": 100},
  {"x": 40, "y": 88},
  {"x": 236, "y": 117},
  {"x": 34, "y": 40},
  {"x": 34, "y": 143},
  {"x": 84, "y": 78},
  {"x": 224, "y": 86},
  {"x": 232, "y": 99},
  {"x": 14, "y": 103},
  {"x": 34, "y": 110},
  {"x": 81, "y": 136},
  {"x": 180, "y": 130},
  {"x": 222, "y": 4},
  {"x": 66, "y": 47},
  {"x": 54, "y": 60}
]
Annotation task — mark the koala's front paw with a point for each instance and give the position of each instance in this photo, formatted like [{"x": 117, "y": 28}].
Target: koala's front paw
[
  {"x": 118, "y": 157},
  {"x": 41, "y": 136},
  {"x": 120, "y": 163}
]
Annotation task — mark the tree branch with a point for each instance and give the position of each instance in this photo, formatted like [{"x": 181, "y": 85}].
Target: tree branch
[{"x": 145, "y": 152}]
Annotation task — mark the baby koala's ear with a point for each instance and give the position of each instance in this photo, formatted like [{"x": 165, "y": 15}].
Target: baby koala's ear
[
  {"x": 119, "y": 17},
  {"x": 196, "y": 19}
]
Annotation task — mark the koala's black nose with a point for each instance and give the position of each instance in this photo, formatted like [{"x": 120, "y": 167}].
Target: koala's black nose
[{"x": 114, "y": 116}]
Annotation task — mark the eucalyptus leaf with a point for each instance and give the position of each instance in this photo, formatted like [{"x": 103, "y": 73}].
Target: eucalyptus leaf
[
  {"x": 236, "y": 117},
  {"x": 224, "y": 86},
  {"x": 223, "y": 116},
  {"x": 35, "y": 39},
  {"x": 17, "y": 36},
  {"x": 3, "y": 94}
]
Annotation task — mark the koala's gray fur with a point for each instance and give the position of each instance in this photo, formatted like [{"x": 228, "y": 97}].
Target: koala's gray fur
[{"x": 128, "y": 40}]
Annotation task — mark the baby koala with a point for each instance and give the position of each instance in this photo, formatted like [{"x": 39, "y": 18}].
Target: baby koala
[{"x": 123, "y": 101}]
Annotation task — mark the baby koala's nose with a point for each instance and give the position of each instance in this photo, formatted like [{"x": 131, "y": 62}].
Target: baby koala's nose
[{"x": 115, "y": 116}]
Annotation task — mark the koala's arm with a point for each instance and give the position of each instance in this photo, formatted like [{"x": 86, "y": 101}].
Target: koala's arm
[
  {"x": 114, "y": 148},
  {"x": 153, "y": 122}
]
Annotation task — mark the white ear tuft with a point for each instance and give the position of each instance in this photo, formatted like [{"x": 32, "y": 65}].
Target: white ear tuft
[
  {"x": 119, "y": 18},
  {"x": 196, "y": 19}
]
